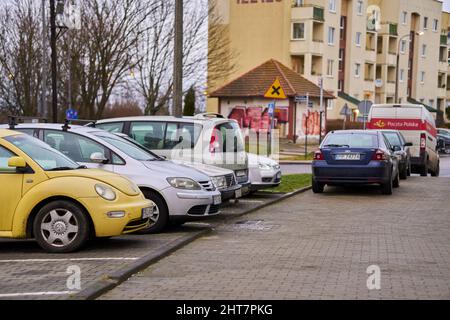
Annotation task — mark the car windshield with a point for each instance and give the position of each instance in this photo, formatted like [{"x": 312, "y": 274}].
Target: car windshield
[
  {"x": 47, "y": 158},
  {"x": 445, "y": 133},
  {"x": 351, "y": 140},
  {"x": 127, "y": 147},
  {"x": 393, "y": 139}
]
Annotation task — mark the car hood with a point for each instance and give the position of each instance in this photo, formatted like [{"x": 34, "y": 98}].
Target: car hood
[
  {"x": 119, "y": 182},
  {"x": 209, "y": 170},
  {"x": 171, "y": 169},
  {"x": 255, "y": 160}
]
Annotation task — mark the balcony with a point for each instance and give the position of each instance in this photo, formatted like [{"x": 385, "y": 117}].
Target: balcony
[
  {"x": 369, "y": 85},
  {"x": 387, "y": 58},
  {"x": 444, "y": 40},
  {"x": 443, "y": 66},
  {"x": 300, "y": 47},
  {"x": 389, "y": 28},
  {"x": 393, "y": 29},
  {"x": 308, "y": 12}
]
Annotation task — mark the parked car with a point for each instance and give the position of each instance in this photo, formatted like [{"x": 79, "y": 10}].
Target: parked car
[
  {"x": 206, "y": 138},
  {"x": 356, "y": 157},
  {"x": 180, "y": 193},
  {"x": 444, "y": 143},
  {"x": 418, "y": 127},
  {"x": 49, "y": 197},
  {"x": 224, "y": 180},
  {"x": 402, "y": 150},
  {"x": 264, "y": 172},
  {"x": 444, "y": 131}
]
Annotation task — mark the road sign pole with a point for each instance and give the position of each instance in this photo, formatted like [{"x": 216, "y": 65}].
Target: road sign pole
[
  {"x": 364, "y": 114},
  {"x": 307, "y": 122},
  {"x": 321, "y": 110}
]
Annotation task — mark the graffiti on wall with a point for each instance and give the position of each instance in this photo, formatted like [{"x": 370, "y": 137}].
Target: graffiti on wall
[{"x": 257, "y": 119}]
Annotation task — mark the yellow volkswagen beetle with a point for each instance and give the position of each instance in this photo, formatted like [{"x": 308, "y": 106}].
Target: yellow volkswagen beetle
[{"x": 46, "y": 196}]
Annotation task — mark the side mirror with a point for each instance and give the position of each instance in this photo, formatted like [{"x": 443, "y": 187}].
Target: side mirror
[
  {"x": 396, "y": 148},
  {"x": 409, "y": 144},
  {"x": 17, "y": 162},
  {"x": 98, "y": 157}
]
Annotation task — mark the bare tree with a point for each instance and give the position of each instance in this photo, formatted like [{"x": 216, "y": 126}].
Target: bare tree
[
  {"x": 20, "y": 58},
  {"x": 103, "y": 53}
]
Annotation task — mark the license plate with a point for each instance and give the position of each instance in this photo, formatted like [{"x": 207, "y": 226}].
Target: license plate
[
  {"x": 238, "y": 193},
  {"x": 147, "y": 213},
  {"x": 217, "y": 200},
  {"x": 349, "y": 156}
]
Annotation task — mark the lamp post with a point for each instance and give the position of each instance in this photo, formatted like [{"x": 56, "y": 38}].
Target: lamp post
[{"x": 397, "y": 71}]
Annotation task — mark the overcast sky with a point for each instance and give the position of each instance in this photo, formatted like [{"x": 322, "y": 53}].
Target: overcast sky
[{"x": 447, "y": 5}]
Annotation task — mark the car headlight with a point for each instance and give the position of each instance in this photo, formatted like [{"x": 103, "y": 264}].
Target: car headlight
[
  {"x": 219, "y": 182},
  {"x": 105, "y": 192},
  {"x": 263, "y": 166},
  {"x": 184, "y": 183}
]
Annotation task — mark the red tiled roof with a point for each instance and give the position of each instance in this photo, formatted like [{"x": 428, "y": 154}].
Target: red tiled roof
[{"x": 256, "y": 82}]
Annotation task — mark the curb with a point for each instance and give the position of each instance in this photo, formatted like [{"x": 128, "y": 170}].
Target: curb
[{"x": 109, "y": 282}]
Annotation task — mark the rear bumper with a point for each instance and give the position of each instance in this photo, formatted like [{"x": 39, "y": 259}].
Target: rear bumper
[
  {"x": 418, "y": 161},
  {"x": 373, "y": 173}
]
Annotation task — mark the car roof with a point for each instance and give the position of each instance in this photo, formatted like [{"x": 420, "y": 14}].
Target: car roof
[
  {"x": 8, "y": 133},
  {"x": 397, "y": 105},
  {"x": 56, "y": 126},
  {"x": 199, "y": 119},
  {"x": 355, "y": 131}
]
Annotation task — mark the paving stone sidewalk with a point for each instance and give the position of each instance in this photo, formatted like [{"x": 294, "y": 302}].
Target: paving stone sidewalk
[{"x": 316, "y": 247}]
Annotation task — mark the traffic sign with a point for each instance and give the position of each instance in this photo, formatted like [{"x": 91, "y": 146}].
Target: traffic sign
[
  {"x": 364, "y": 107},
  {"x": 271, "y": 109},
  {"x": 275, "y": 91},
  {"x": 71, "y": 114}
]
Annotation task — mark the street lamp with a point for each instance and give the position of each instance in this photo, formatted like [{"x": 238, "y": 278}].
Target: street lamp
[{"x": 421, "y": 33}]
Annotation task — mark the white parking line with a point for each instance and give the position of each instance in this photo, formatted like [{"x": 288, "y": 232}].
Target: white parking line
[
  {"x": 68, "y": 260},
  {"x": 37, "y": 294},
  {"x": 250, "y": 201}
]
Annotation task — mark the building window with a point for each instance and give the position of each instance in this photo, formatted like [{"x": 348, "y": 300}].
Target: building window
[
  {"x": 404, "y": 17},
  {"x": 403, "y": 46},
  {"x": 331, "y": 31},
  {"x": 332, "y": 5},
  {"x": 341, "y": 59},
  {"x": 357, "y": 70},
  {"x": 330, "y": 104},
  {"x": 299, "y": 3},
  {"x": 435, "y": 25},
  {"x": 341, "y": 85},
  {"x": 422, "y": 77},
  {"x": 330, "y": 67},
  {"x": 424, "y": 50},
  {"x": 425, "y": 23},
  {"x": 402, "y": 75},
  {"x": 359, "y": 8},
  {"x": 358, "y": 39},
  {"x": 431, "y": 103},
  {"x": 298, "y": 31}
]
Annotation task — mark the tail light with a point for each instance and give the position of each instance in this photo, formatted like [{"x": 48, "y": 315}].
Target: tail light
[
  {"x": 213, "y": 144},
  {"x": 423, "y": 142},
  {"x": 379, "y": 156},
  {"x": 318, "y": 156}
]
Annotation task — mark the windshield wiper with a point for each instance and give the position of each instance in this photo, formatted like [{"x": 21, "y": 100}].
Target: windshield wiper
[
  {"x": 337, "y": 146},
  {"x": 82, "y": 167},
  {"x": 62, "y": 169}
]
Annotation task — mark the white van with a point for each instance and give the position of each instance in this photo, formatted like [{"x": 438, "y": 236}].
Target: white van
[{"x": 418, "y": 127}]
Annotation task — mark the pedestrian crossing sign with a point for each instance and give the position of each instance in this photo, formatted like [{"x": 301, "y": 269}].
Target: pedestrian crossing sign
[{"x": 275, "y": 91}]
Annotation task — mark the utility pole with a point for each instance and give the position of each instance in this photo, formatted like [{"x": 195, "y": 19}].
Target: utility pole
[
  {"x": 54, "y": 66},
  {"x": 43, "y": 111},
  {"x": 178, "y": 61}
]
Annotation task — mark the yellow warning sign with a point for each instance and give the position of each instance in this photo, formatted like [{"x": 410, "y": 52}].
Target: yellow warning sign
[{"x": 275, "y": 91}]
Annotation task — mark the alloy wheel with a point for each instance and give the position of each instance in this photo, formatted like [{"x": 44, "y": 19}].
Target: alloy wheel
[{"x": 59, "y": 228}]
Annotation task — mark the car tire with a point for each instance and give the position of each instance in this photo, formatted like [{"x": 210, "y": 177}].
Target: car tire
[
  {"x": 396, "y": 182},
  {"x": 318, "y": 187},
  {"x": 404, "y": 173},
  {"x": 424, "y": 170},
  {"x": 387, "y": 188},
  {"x": 61, "y": 227},
  {"x": 437, "y": 171},
  {"x": 161, "y": 215}
]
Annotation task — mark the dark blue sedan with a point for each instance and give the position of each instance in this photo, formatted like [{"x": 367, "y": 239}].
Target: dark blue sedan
[{"x": 356, "y": 157}]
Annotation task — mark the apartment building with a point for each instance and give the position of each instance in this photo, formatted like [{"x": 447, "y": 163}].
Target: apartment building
[{"x": 358, "y": 47}]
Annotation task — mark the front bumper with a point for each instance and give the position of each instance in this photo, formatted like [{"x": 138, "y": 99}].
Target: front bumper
[
  {"x": 230, "y": 193},
  {"x": 373, "y": 173},
  {"x": 264, "y": 179},
  {"x": 110, "y": 227},
  {"x": 180, "y": 202}
]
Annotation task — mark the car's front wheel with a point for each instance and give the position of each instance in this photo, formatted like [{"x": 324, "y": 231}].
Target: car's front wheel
[
  {"x": 160, "y": 217},
  {"x": 396, "y": 182},
  {"x": 61, "y": 227},
  {"x": 318, "y": 187},
  {"x": 437, "y": 171},
  {"x": 404, "y": 172}
]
